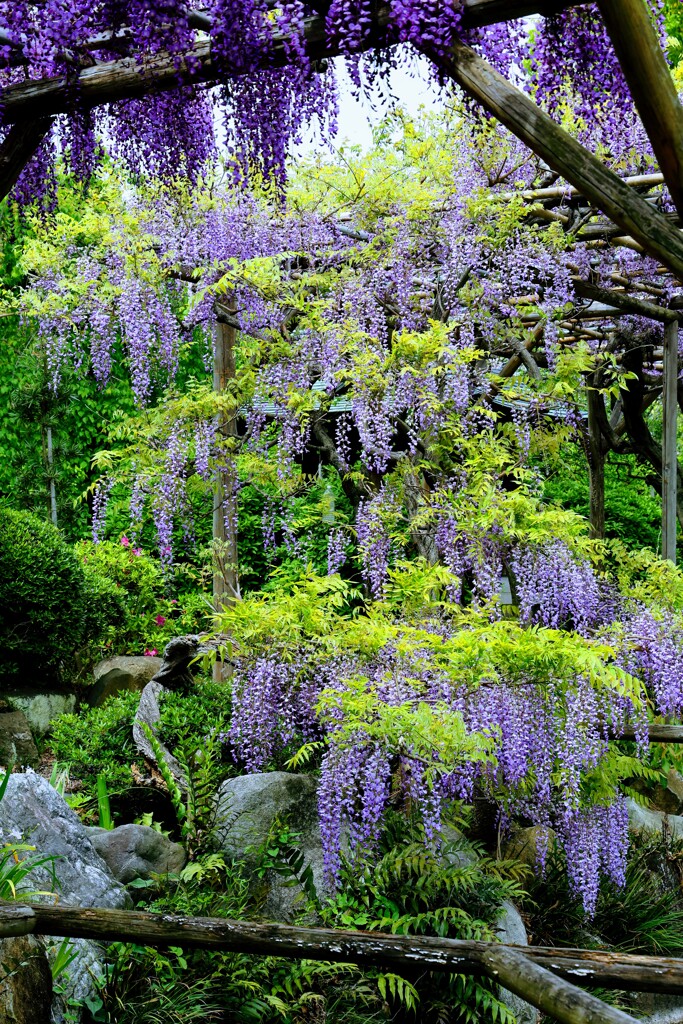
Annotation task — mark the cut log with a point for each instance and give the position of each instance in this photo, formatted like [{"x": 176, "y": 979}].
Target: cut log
[{"x": 564, "y": 154}]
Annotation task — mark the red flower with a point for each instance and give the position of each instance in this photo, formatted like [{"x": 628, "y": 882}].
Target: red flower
[
  {"x": 125, "y": 542},
  {"x": 151, "y": 652},
  {"x": 160, "y": 620}
]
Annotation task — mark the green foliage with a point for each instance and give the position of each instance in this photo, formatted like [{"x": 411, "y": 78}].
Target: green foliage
[
  {"x": 632, "y": 514},
  {"x": 646, "y": 916},
  {"x": 98, "y": 742},
  {"x": 412, "y": 890},
  {"x": 51, "y": 607}
]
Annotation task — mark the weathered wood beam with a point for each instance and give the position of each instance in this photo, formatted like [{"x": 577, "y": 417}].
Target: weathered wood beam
[
  {"x": 628, "y": 303},
  {"x": 395, "y": 952},
  {"x": 21, "y": 143},
  {"x": 564, "y": 154},
  {"x": 652, "y": 87},
  {"x": 670, "y": 442},
  {"x": 656, "y": 733}
]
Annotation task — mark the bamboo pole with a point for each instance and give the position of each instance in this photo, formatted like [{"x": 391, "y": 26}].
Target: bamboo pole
[
  {"x": 564, "y": 154},
  {"x": 649, "y": 79},
  {"x": 669, "y": 442}
]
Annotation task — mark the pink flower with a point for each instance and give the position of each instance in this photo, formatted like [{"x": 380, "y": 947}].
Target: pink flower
[
  {"x": 160, "y": 620},
  {"x": 137, "y": 551},
  {"x": 151, "y": 652},
  {"x": 125, "y": 542}
]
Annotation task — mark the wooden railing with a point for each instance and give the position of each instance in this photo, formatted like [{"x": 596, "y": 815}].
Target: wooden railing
[{"x": 546, "y": 978}]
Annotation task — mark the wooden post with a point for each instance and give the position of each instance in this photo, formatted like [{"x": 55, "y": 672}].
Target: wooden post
[
  {"x": 669, "y": 441},
  {"x": 596, "y": 468},
  {"x": 652, "y": 87},
  {"x": 225, "y": 579}
]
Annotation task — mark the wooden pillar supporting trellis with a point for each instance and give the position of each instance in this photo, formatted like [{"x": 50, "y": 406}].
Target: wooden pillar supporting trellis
[
  {"x": 225, "y": 578},
  {"x": 669, "y": 441}
]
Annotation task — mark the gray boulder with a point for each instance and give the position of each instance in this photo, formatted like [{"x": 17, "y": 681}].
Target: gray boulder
[
  {"x": 510, "y": 930},
  {"x": 148, "y": 714},
  {"x": 246, "y": 810},
  {"x": 644, "y": 819},
  {"x": 137, "y": 851},
  {"x": 17, "y": 746},
  {"x": 25, "y": 982},
  {"x": 41, "y": 709},
  {"x": 32, "y": 810},
  {"x": 126, "y": 673}
]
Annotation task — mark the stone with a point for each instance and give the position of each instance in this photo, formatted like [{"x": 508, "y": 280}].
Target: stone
[
  {"x": 644, "y": 819},
  {"x": 25, "y": 982},
  {"x": 526, "y": 844},
  {"x": 17, "y": 746},
  {"x": 32, "y": 810},
  {"x": 137, "y": 851},
  {"x": 510, "y": 930},
  {"x": 41, "y": 709},
  {"x": 123, "y": 674},
  {"x": 246, "y": 810},
  {"x": 149, "y": 713}
]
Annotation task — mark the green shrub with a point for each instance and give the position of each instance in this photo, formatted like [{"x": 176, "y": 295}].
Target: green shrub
[{"x": 51, "y": 607}]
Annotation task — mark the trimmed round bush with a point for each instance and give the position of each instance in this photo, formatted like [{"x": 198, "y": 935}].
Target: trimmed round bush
[{"x": 51, "y": 607}]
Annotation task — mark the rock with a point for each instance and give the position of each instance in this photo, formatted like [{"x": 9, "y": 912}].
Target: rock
[
  {"x": 644, "y": 819},
  {"x": 137, "y": 851},
  {"x": 529, "y": 844},
  {"x": 17, "y": 746},
  {"x": 125, "y": 673},
  {"x": 41, "y": 709},
  {"x": 510, "y": 930},
  {"x": 247, "y": 808},
  {"x": 32, "y": 810},
  {"x": 25, "y": 982},
  {"x": 658, "y": 1009},
  {"x": 148, "y": 713}
]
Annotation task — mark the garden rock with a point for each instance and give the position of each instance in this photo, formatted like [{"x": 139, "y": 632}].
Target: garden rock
[
  {"x": 17, "y": 746},
  {"x": 137, "y": 851},
  {"x": 125, "y": 674},
  {"x": 33, "y": 810},
  {"x": 246, "y": 810},
  {"x": 41, "y": 709},
  {"x": 149, "y": 713},
  {"x": 510, "y": 930},
  {"x": 644, "y": 819},
  {"x": 25, "y": 982}
]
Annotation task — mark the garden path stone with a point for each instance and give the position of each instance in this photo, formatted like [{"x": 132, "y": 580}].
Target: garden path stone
[
  {"x": 17, "y": 746},
  {"x": 26, "y": 995},
  {"x": 124, "y": 674},
  {"x": 32, "y": 810},
  {"x": 246, "y": 810},
  {"x": 137, "y": 851}
]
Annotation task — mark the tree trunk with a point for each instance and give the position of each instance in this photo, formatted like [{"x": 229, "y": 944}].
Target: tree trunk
[{"x": 596, "y": 468}]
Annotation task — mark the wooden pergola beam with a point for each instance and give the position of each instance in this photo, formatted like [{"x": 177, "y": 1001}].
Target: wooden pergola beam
[
  {"x": 652, "y": 88},
  {"x": 564, "y": 154}
]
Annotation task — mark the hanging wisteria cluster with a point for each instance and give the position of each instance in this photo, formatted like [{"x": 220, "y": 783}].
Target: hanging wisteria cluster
[
  {"x": 264, "y": 107},
  {"x": 547, "y": 725}
]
